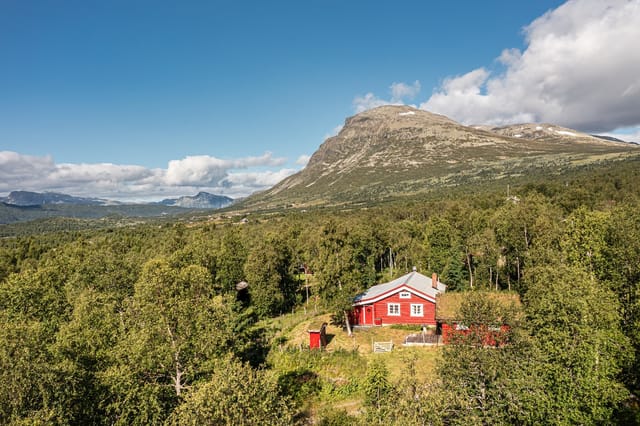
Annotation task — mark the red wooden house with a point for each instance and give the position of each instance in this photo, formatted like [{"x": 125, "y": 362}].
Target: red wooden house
[{"x": 410, "y": 299}]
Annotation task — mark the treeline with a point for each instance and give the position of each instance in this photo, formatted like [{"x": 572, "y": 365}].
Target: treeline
[{"x": 144, "y": 324}]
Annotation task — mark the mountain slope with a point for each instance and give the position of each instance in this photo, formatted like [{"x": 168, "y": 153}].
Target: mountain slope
[
  {"x": 28, "y": 198},
  {"x": 203, "y": 200},
  {"x": 393, "y": 151}
]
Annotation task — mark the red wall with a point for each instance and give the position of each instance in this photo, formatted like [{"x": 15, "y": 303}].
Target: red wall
[
  {"x": 314, "y": 339},
  {"x": 380, "y": 311}
]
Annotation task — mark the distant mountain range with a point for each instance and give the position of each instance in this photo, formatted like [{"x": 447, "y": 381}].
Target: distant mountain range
[
  {"x": 20, "y": 206},
  {"x": 203, "y": 200},
  {"x": 395, "y": 151},
  {"x": 27, "y": 198}
]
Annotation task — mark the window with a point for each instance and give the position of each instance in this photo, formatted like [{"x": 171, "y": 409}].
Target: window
[
  {"x": 405, "y": 295},
  {"x": 393, "y": 309},
  {"x": 416, "y": 310}
]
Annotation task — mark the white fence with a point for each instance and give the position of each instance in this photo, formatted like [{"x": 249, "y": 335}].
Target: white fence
[{"x": 379, "y": 347}]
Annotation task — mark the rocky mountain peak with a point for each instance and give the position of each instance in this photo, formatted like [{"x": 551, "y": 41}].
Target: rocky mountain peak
[
  {"x": 397, "y": 150},
  {"x": 395, "y": 116},
  {"x": 371, "y": 131}
]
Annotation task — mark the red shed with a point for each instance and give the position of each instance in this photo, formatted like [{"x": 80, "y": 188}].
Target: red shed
[
  {"x": 318, "y": 336},
  {"x": 410, "y": 299}
]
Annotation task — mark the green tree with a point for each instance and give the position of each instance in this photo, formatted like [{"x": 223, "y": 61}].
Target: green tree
[
  {"x": 236, "y": 394},
  {"x": 519, "y": 224},
  {"x": 31, "y": 383},
  {"x": 583, "y": 243},
  {"x": 269, "y": 271},
  {"x": 622, "y": 251},
  {"x": 377, "y": 387},
  {"x": 575, "y": 322},
  {"x": 443, "y": 251},
  {"x": 345, "y": 264},
  {"x": 414, "y": 400},
  {"x": 485, "y": 383},
  {"x": 174, "y": 327},
  {"x": 82, "y": 349},
  {"x": 232, "y": 256}
]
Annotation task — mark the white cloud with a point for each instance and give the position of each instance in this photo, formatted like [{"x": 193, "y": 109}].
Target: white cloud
[
  {"x": 303, "y": 160},
  {"x": 580, "y": 69},
  {"x": 399, "y": 93},
  {"x": 206, "y": 170},
  {"x": 258, "y": 180},
  {"x": 130, "y": 182},
  {"x": 368, "y": 101},
  {"x": 17, "y": 168},
  {"x": 196, "y": 170}
]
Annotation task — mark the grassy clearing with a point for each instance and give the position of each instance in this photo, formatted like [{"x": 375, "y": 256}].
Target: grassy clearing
[{"x": 323, "y": 381}]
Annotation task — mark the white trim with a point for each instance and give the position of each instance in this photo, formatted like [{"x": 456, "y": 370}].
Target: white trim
[
  {"x": 404, "y": 294},
  {"x": 417, "y": 310},
  {"x": 394, "y": 291},
  {"x": 389, "y": 310}
]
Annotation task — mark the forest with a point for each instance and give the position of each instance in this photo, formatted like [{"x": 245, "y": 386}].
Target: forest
[{"x": 142, "y": 324}]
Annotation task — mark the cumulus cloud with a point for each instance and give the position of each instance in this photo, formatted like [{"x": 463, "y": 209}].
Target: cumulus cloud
[
  {"x": 368, "y": 101},
  {"x": 181, "y": 177},
  {"x": 206, "y": 170},
  {"x": 400, "y": 92},
  {"x": 258, "y": 180},
  {"x": 580, "y": 69},
  {"x": 196, "y": 170},
  {"x": 15, "y": 167}
]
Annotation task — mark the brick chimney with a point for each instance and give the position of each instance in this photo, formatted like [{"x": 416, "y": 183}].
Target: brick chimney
[{"x": 434, "y": 280}]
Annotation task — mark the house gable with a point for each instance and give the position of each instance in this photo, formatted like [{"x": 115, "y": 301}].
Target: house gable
[
  {"x": 397, "y": 291},
  {"x": 410, "y": 299},
  {"x": 413, "y": 282},
  {"x": 395, "y": 310}
]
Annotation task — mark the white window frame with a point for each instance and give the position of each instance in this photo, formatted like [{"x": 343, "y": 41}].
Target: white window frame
[
  {"x": 404, "y": 295},
  {"x": 417, "y": 310},
  {"x": 393, "y": 309}
]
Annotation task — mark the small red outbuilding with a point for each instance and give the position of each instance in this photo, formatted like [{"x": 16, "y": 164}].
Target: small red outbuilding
[
  {"x": 318, "y": 336},
  {"x": 410, "y": 299}
]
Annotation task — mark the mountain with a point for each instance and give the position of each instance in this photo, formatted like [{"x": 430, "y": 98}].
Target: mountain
[
  {"x": 609, "y": 138},
  {"x": 544, "y": 131},
  {"x": 393, "y": 151},
  {"x": 203, "y": 200},
  {"x": 21, "y": 206},
  {"x": 27, "y": 198}
]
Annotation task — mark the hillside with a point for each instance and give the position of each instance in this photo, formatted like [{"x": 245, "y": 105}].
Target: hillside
[
  {"x": 202, "y": 200},
  {"x": 28, "y": 198},
  {"x": 394, "y": 151}
]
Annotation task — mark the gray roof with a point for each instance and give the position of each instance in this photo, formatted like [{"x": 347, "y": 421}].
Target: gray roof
[{"x": 414, "y": 282}]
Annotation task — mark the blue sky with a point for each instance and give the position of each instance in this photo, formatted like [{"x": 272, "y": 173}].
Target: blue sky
[{"x": 147, "y": 99}]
